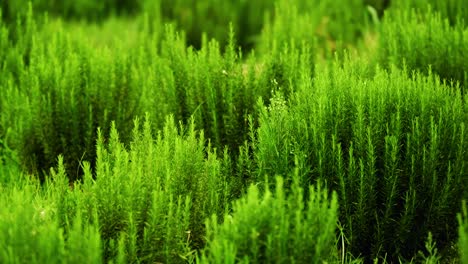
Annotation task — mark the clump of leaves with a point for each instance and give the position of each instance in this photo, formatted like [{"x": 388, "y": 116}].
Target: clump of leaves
[{"x": 280, "y": 226}]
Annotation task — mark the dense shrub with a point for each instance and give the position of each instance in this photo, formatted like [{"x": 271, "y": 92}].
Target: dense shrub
[
  {"x": 452, "y": 10},
  {"x": 275, "y": 227},
  {"x": 213, "y": 87},
  {"x": 158, "y": 192},
  {"x": 143, "y": 203},
  {"x": 251, "y": 93},
  {"x": 425, "y": 41},
  {"x": 31, "y": 233},
  {"x": 70, "y": 87},
  {"x": 66, "y": 91},
  {"x": 392, "y": 147}
]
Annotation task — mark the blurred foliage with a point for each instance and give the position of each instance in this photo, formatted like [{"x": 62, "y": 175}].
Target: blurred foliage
[{"x": 355, "y": 96}]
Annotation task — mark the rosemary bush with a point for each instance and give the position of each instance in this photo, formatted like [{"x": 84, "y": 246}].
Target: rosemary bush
[
  {"x": 145, "y": 203},
  {"x": 452, "y": 10},
  {"x": 425, "y": 41},
  {"x": 275, "y": 227},
  {"x": 285, "y": 49},
  {"x": 392, "y": 147},
  {"x": 65, "y": 99},
  {"x": 83, "y": 86},
  {"x": 237, "y": 91},
  {"x": 31, "y": 233},
  {"x": 213, "y": 87},
  {"x": 155, "y": 195}
]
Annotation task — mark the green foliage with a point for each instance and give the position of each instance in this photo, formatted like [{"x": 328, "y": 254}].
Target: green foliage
[
  {"x": 379, "y": 5},
  {"x": 452, "y": 10},
  {"x": 328, "y": 23},
  {"x": 214, "y": 17},
  {"x": 330, "y": 19},
  {"x": 275, "y": 227},
  {"x": 145, "y": 203},
  {"x": 81, "y": 9},
  {"x": 425, "y": 41},
  {"x": 284, "y": 48},
  {"x": 213, "y": 87},
  {"x": 432, "y": 254},
  {"x": 155, "y": 195},
  {"x": 66, "y": 91},
  {"x": 76, "y": 76},
  {"x": 339, "y": 21},
  {"x": 343, "y": 21},
  {"x": 392, "y": 147},
  {"x": 10, "y": 169},
  {"x": 463, "y": 234},
  {"x": 83, "y": 86},
  {"x": 31, "y": 233}
]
